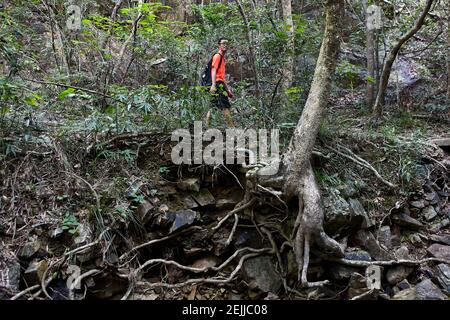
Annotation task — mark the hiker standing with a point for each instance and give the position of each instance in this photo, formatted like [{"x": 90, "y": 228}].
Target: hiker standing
[{"x": 219, "y": 87}]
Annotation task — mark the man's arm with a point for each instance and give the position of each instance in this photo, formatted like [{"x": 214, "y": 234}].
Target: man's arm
[
  {"x": 213, "y": 80},
  {"x": 214, "y": 67}
]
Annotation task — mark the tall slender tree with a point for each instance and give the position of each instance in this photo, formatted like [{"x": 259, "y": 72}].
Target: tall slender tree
[
  {"x": 300, "y": 180},
  {"x": 387, "y": 67}
]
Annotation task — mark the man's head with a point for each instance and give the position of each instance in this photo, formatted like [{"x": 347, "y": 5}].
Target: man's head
[{"x": 223, "y": 44}]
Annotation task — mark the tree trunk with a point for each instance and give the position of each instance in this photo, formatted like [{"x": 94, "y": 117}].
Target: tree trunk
[
  {"x": 448, "y": 48},
  {"x": 370, "y": 55},
  {"x": 300, "y": 179},
  {"x": 289, "y": 64},
  {"x": 251, "y": 48},
  {"x": 379, "y": 102}
]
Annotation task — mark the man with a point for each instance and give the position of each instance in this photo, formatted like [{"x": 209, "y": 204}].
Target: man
[{"x": 219, "y": 87}]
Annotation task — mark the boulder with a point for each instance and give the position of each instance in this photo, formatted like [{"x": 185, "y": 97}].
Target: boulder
[
  {"x": 436, "y": 227},
  {"x": 419, "y": 204},
  {"x": 429, "y": 213},
  {"x": 445, "y": 238},
  {"x": 358, "y": 210},
  {"x": 406, "y": 221},
  {"x": 261, "y": 270},
  {"x": 190, "y": 203},
  {"x": 366, "y": 240},
  {"x": 29, "y": 250},
  {"x": 432, "y": 197},
  {"x": 398, "y": 273},
  {"x": 443, "y": 276},
  {"x": 204, "y": 198},
  {"x": 426, "y": 290},
  {"x": 339, "y": 217},
  {"x": 439, "y": 251},
  {"x": 181, "y": 219},
  {"x": 359, "y": 255}
]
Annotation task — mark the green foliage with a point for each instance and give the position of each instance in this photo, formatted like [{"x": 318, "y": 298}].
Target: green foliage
[
  {"x": 70, "y": 223},
  {"x": 69, "y": 92},
  {"x": 127, "y": 155},
  {"x": 348, "y": 72},
  {"x": 325, "y": 179}
]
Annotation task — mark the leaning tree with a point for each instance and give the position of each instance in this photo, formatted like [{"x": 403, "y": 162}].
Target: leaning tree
[{"x": 296, "y": 178}]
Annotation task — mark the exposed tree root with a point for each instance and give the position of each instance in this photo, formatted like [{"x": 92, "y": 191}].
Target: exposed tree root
[
  {"x": 24, "y": 292},
  {"x": 215, "y": 280},
  {"x": 309, "y": 227},
  {"x": 356, "y": 263},
  {"x": 234, "y": 211}
]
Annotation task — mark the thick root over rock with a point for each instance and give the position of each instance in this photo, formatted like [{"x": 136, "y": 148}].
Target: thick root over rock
[{"x": 309, "y": 227}]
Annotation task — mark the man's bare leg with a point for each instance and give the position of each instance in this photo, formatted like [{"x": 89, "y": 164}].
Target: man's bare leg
[{"x": 227, "y": 115}]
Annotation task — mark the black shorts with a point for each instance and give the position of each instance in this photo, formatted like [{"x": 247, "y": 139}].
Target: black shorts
[{"x": 220, "y": 98}]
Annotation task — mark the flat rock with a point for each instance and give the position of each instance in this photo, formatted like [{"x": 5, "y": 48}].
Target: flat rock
[
  {"x": 445, "y": 239},
  {"x": 204, "y": 198},
  {"x": 432, "y": 197},
  {"x": 402, "y": 253},
  {"x": 429, "y": 213},
  {"x": 181, "y": 219},
  {"x": 359, "y": 255},
  {"x": 439, "y": 251},
  {"x": 419, "y": 204},
  {"x": 261, "y": 270},
  {"x": 190, "y": 184},
  {"x": 406, "y": 221},
  {"x": 190, "y": 203},
  {"x": 29, "y": 250},
  {"x": 426, "y": 290},
  {"x": 443, "y": 276}
]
